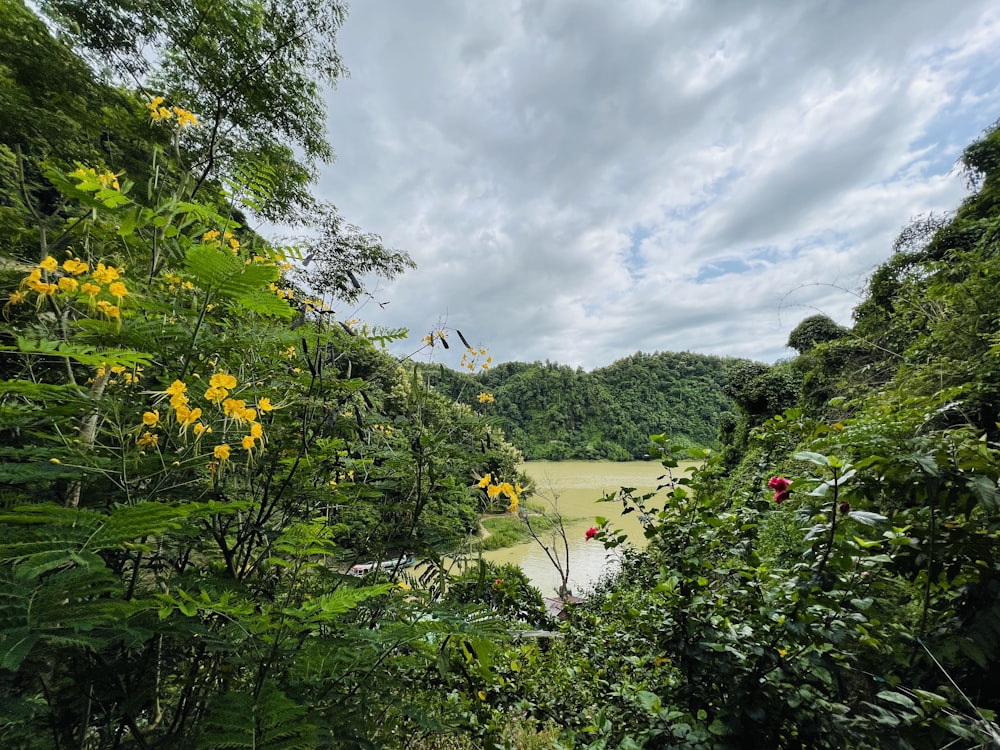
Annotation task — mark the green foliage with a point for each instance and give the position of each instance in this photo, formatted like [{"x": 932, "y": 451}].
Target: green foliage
[
  {"x": 341, "y": 252},
  {"x": 503, "y": 588},
  {"x": 552, "y": 411},
  {"x": 816, "y": 329},
  {"x": 251, "y": 72}
]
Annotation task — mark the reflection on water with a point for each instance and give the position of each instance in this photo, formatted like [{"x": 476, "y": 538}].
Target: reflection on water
[{"x": 577, "y": 487}]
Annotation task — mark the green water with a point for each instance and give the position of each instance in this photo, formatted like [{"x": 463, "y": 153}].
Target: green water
[{"x": 575, "y": 488}]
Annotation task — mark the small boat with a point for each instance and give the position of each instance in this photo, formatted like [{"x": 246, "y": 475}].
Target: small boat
[{"x": 363, "y": 569}]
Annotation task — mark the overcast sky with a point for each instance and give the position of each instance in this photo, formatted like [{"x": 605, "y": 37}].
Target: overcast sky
[{"x": 579, "y": 180}]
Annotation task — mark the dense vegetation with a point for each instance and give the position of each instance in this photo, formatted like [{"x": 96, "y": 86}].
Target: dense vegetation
[
  {"x": 196, "y": 445},
  {"x": 554, "y": 412}
]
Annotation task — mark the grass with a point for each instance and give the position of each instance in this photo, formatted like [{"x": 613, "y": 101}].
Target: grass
[{"x": 506, "y": 531}]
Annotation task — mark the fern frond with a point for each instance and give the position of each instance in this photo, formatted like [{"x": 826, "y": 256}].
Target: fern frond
[
  {"x": 222, "y": 274},
  {"x": 274, "y": 722}
]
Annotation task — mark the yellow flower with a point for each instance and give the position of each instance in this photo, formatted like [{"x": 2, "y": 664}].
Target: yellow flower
[
  {"x": 108, "y": 180},
  {"x": 49, "y": 264},
  {"x": 148, "y": 439},
  {"x": 54, "y": 461},
  {"x": 290, "y": 352},
  {"x": 221, "y": 452},
  {"x": 92, "y": 290},
  {"x": 482, "y": 695},
  {"x": 234, "y": 408},
  {"x": 513, "y": 505},
  {"x": 184, "y": 117},
  {"x": 215, "y": 394},
  {"x": 68, "y": 285},
  {"x": 210, "y": 236},
  {"x": 264, "y": 404},
  {"x": 178, "y": 401},
  {"x": 117, "y": 289},
  {"x": 256, "y": 431},
  {"x": 249, "y": 443},
  {"x": 181, "y": 412},
  {"x": 118, "y": 369},
  {"x": 176, "y": 388},
  {"x": 106, "y": 274},
  {"x": 150, "y": 418},
  {"x": 157, "y": 112},
  {"x": 493, "y": 491},
  {"x": 248, "y": 415},
  {"x": 485, "y": 481},
  {"x": 16, "y": 298},
  {"x": 106, "y": 308},
  {"x": 200, "y": 429},
  {"x": 486, "y": 398},
  {"x": 222, "y": 380},
  {"x": 42, "y": 288},
  {"x": 75, "y": 267}
]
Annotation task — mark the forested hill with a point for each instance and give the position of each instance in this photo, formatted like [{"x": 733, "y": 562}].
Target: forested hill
[{"x": 556, "y": 412}]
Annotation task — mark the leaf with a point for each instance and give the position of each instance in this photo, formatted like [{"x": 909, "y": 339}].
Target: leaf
[
  {"x": 898, "y": 698},
  {"x": 985, "y": 491},
  {"x": 813, "y": 458},
  {"x": 867, "y": 517},
  {"x": 15, "y": 646},
  {"x": 85, "y": 355},
  {"x": 649, "y": 701},
  {"x": 222, "y": 274}
]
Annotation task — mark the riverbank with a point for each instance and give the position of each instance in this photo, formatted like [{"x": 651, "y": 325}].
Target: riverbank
[{"x": 507, "y": 530}]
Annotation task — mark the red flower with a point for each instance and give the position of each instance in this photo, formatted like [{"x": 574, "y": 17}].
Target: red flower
[
  {"x": 845, "y": 508},
  {"x": 780, "y": 486},
  {"x": 591, "y": 533}
]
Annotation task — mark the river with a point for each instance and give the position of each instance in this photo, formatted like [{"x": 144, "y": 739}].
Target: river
[{"x": 576, "y": 488}]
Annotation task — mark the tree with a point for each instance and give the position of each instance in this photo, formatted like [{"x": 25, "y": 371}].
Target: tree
[
  {"x": 816, "y": 329},
  {"x": 251, "y": 70},
  {"x": 341, "y": 252}
]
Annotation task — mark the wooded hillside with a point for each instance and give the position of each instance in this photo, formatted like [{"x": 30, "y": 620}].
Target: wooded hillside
[{"x": 552, "y": 411}]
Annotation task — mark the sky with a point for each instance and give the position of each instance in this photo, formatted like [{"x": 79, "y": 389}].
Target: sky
[{"x": 578, "y": 181}]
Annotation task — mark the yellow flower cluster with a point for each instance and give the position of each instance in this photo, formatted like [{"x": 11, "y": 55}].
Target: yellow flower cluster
[
  {"x": 105, "y": 178},
  {"x": 175, "y": 282},
  {"x": 159, "y": 113},
  {"x": 48, "y": 278},
  {"x": 486, "y": 398},
  {"x": 473, "y": 358},
  {"x": 131, "y": 377},
  {"x": 495, "y": 489},
  {"x": 185, "y": 416},
  {"x": 215, "y": 238}
]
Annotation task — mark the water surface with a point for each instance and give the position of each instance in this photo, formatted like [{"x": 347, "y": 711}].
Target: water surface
[{"x": 575, "y": 488}]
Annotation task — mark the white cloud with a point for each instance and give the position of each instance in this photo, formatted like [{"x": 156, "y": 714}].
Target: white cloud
[{"x": 581, "y": 180}]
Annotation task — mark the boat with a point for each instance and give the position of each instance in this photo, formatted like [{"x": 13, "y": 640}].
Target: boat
[{"x": 362, "y": 569}]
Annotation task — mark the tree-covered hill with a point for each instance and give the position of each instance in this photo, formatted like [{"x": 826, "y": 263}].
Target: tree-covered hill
[{"x": 551, "y": 411}]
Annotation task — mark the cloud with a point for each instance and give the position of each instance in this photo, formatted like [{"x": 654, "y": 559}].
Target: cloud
[{"x": 581, "y": 180}]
